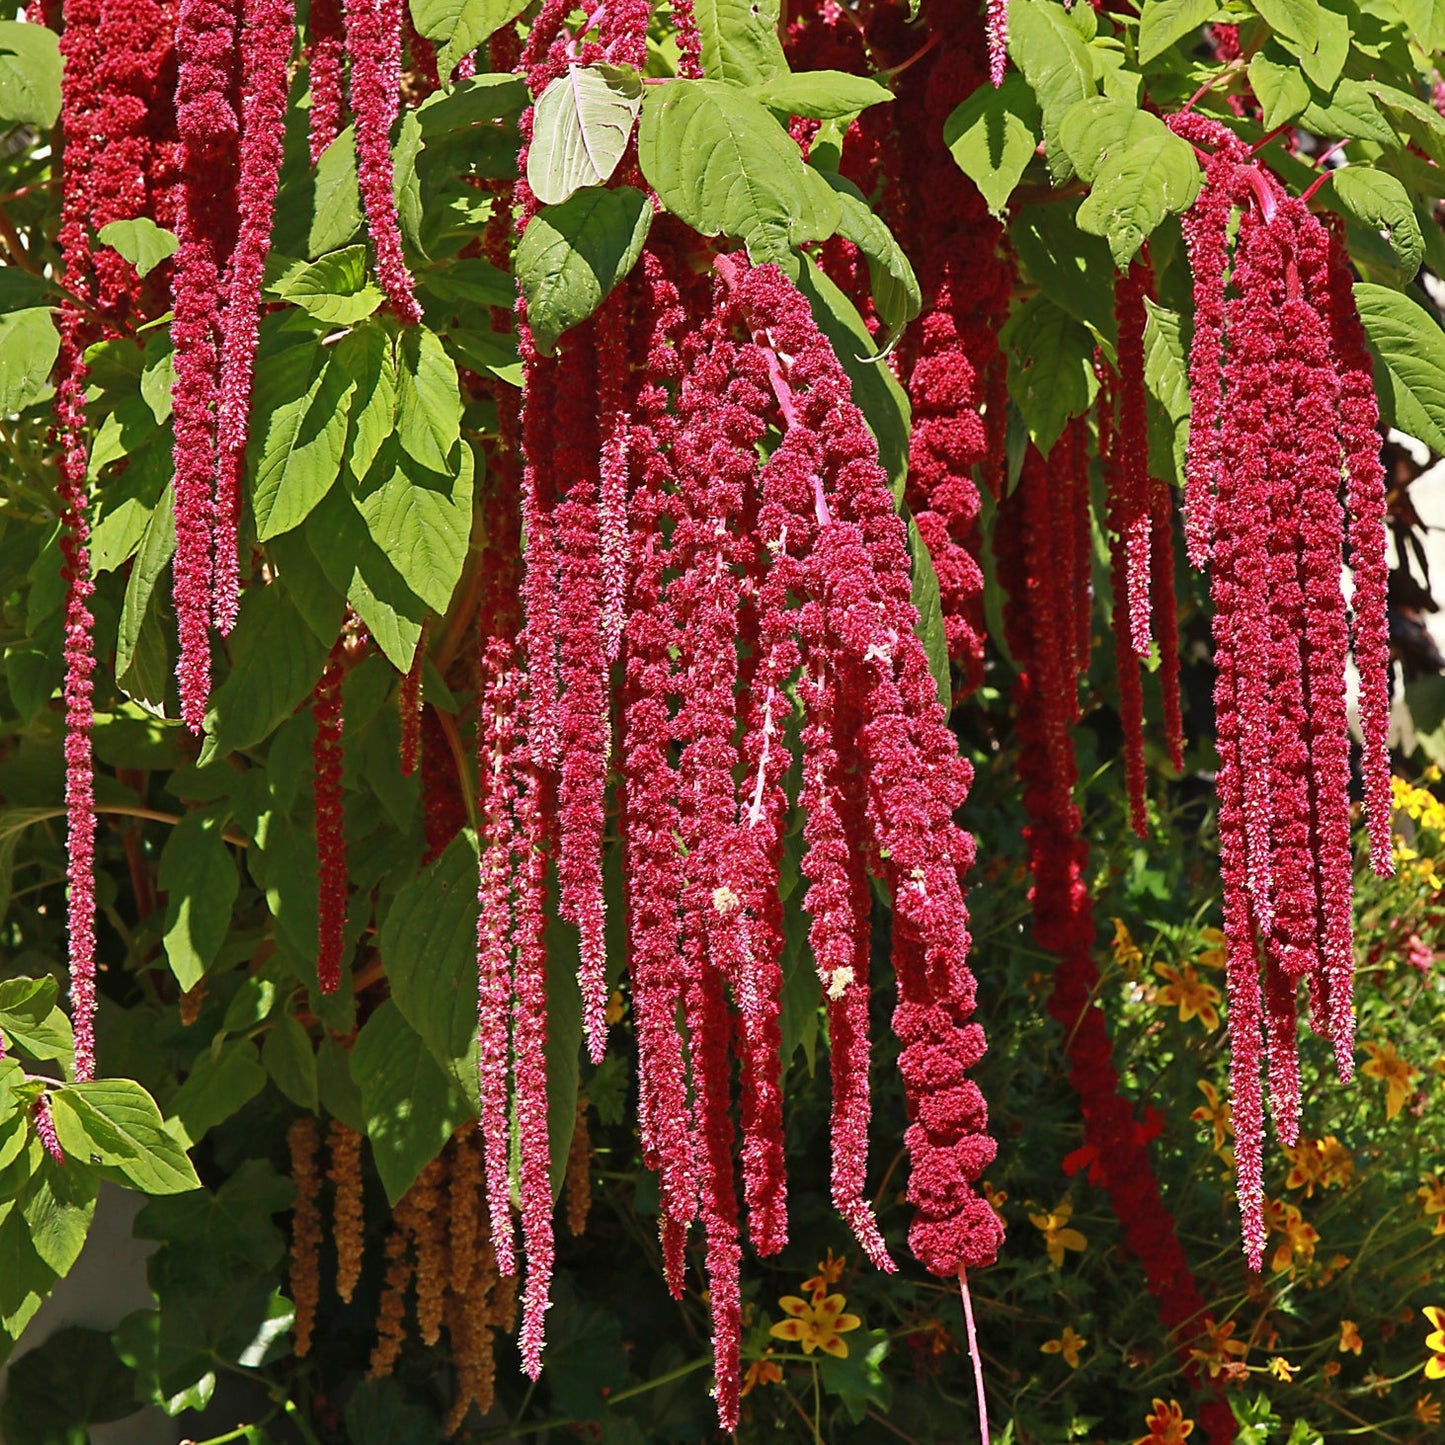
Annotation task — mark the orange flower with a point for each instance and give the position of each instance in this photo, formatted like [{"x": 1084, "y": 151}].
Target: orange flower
[
  {"x": 830, "y": 1271},
  {"x": 760, "y": 1372},
  {"x": 1300, "y": 1238},
  {"x": 1330, "y": 1369},
  {"x": 1167, "y": 1425},
  {"x": 1126, "y": 951},
  {"x": 1194, "y": 997},
  {"x": 1216, "y": 1113},
  {"x": 1058, "y": 1236},
  {"x": 816, "y": 1326},
  {"x": 1221, "y": 1347},
  {"x": 1427, "y": 1410},
  {"x": 997, "y": 1198},
  {"x": 1431, "y": 1195},
  {"x": 1350, "y": 1337},
  {"x": 1391, "y": 1070},
  {"x": 1435, "y": 1343},
  {"x": 1338, "y": 1163},
  {"x": 1213, "y": 956},
  {"x": 1068, "y": 1345},
  {"x": 1281, "y": 1369}
]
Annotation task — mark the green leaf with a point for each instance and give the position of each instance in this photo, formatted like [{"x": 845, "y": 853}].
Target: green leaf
[
  {"x": 721, "y": 164},
  {"x": 1411, "y": 349},
  {"x": 57, "y": 1389},
  {"x": 459, "y": 26},
  {"x": 428, "y": 398},
  {"x": 156, "y": 550},
  {"x": 29, "y": 75},
  {"x": 580, "y": 128},
  {"x": 366, "y": 356},
  {"x": 1324, "y": 61},
  {"x": 25, "y": 1278},
  {"x": 338, "y": 1091},
  {"x": 1298, "y": 19},
  {"x": 116, "y": 1122},
  {"x": 1378, "y": 201},
  {"x": 1162, "y": 22},
  {"x": 363, "y": 573},
  {"x": 571, "y": 256},
  {"x": 29, "y": 344},
  {"x": 930, "y": 615},
  {"x": 896, "y": 296},
  {"x": 1050, "y": 376},
  {"x": 58, "y": 1205},
  {"x": 1073, "y": 269},
  {"x": 422, "y": 520},
  {"x": 858, "y": 1379},
  {"x": 379, "y": 1414},
  {"x": 143, "y": 243},
  {"x": 1060, "y": 68},
  {"x": 337, "y": 196},
  {"x": 429, "y": 946},
  {"x": 221, "y": 1082},
  {"x": 1138, "y": 170},
  {"x": 199, "y": 879},
  {"x": 1166, "y": 368},
  {"x": 470, "y": 102},
  {"x": 335, "y": 289},
  {"x": 993, "y": 136},
  {"x": 1350, "y": 112},
  {"x": 305, "y": 396},
  {"x": 1281, "y": 89},
  {"x": 291, "y": 1061},
  {"x": 740, "y": 40},
  {"x": 412, "y": 1106},
  {"x": 276, "y": 660},
  {"x": 1426, "y": 19},
  {"x": 29, "y": 1017},
  {"x": 820, "y": 94}
]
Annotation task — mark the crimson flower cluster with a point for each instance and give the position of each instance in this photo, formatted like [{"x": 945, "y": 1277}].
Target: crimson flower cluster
[{"x": 1284, "y": 475}]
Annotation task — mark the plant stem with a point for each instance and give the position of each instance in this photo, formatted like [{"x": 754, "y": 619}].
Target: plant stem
[{"x": 680, "y": 1373}]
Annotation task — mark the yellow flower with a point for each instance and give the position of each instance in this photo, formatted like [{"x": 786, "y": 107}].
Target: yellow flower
[
  {"x": 1214, "y": 955},
  {"x": 760, "y": 1372},
  {"x": 1339, "y": 1163},
  {"x": 1216, "y": 1113},
  {"x": 830, "y": 1271},
  {"x": 1194, "y": 997},
  {"x": 616, "y": 1009},
  {"x": 1300, "y": 1238},
  {"x": 1167, "y": 1425},
  {"x": 1281, "y": 1369},
  {"x": 1427, "y": 1410},
  {"x": 1392, "y": 1071},
  {"x": 1435, "y": 1343},
  {"x": 816, "y": 1326},
  {"x": 1350, "y": 1337},
  {"x": 1058, "y": 1236},
  {"x": 1126, "y": 951},
  {"x": 1319, "y": 1161},
  {"x": 1068, "y": 1345},
  {"x": 1221, "y": 1347},
  {"x": 997, "y": 1198},
  {"x": 1431, "y": 1195}
]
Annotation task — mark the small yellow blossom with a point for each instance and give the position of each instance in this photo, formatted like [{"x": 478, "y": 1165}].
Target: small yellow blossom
[
  {"x": 1221, "y": 1347},
  {"x": 1350, "y": 1338},
  {"x": 1068, "y": 1345},
  {"x": 1216, "y": 1113},
  {"x": 1300, "y": 1237},
  {"x": 1058, "y": 1236},
  {"x": 1427, "y": 1410},
  {"x": 1281, "y": 1368},
  {"x": 1338, "y": 1162},
  {"x": 1126, "y": 952},
  {"x": 830, "y": 1271},
  {"x": 1194, "y": 997},
  {"x": 1431, "y": 1195},
  {"x": 997, "y": 1198},
  {"x": 616, "y": 1009},
  {"x": 761, "y": 1372},
  {"x": 1435, "y": 1343},
  {"x": 816, "y": 1326},
  {"x": 1167, "y": 1425},
  {"x": 1214, "y": 954},
  {"x": 1319, "y": 1161},
  {"x": 1391, "y": 1070}
]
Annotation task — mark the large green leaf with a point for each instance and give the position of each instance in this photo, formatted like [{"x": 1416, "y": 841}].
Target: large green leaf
[
  {"x": 290, "y": 1060},
  {"x": 1412, "y": 349},
  {"x": 59, "y": 1388},
  {"x": 1351, "y": 112},
  {"x": 29, "y": 344},
  {"x": 29, "y": 75},
  {"x": 304, "y": 394},
  {"x": 1298, "y": 19},
  {"x": 821, "y": 94},
  {"x": 116, "y": 1122},
  {"x": 336, "y": 288},
  {"x": 571, "y": 256},
  {"x": 1050, "y": 368},
  {"x": 422, "y": 520},
  {"x": 1162, "y": 22},
  {"x": 740, "y": 40},
  {"x": 993, "y": 136},
  {"x": 1378, "y": 201},
  {"x": 412, "y": 1105},
  {"x": 459, "y": 26},
  {"x": 28, "y": 1013},
  {"x": 222, "y": 1081},
  {"x": 580, "y": 129},
  {"x": 1138, "y": 170},
  {"x": 198, "y": 877},
  {"x": 157, "y": 548},
  {"x": 370, "y": 361},
  {"x": 896, "y": 295},
  {"x": 143, "y": 243},
  {"x": 1166, "y": 369},
  {"x": 58, "y": 1205},
  {"x": 428, "y": 399},
  {"x": 1281, "y": 89},
  {"x": 1057, "y": 63},
  {"x": 429, "y": 946},
  {"x": 721, "y": 163}
]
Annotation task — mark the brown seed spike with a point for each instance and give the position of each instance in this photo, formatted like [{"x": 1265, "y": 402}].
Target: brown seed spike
[
  {"x": 305, "y": 1231},
  {"x": 578, "y": 1187},
  {"x": 346, "y": 1211}
]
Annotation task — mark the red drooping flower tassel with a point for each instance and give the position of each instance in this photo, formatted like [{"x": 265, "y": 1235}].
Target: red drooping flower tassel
[
  {"x": 208, "y": 127},
  {"x": 331, "y": 870},
  {"x": 266, "y": 32},
  {"x": 325, "y": 58},
  {"x": 373, "y": 43},
  {"x": 45, "y": 1128},
  {"x": 1129, "y": 488}
]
